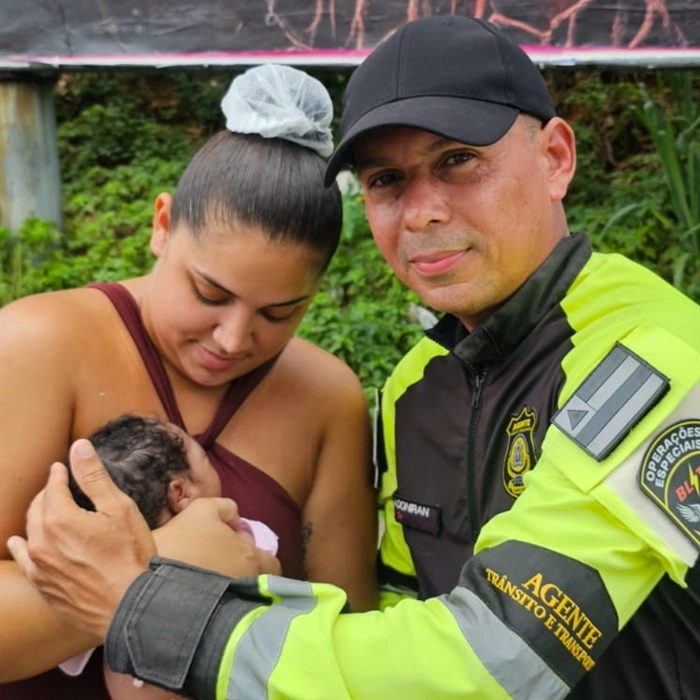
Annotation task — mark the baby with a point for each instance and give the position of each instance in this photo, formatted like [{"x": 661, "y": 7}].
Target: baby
[{"x": 162, "y": 469}]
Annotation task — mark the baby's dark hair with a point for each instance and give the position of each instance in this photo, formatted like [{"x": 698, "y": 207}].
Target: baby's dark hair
[
  {"x": 270, "y": 183},
  {"x": 142, "y": 455}
]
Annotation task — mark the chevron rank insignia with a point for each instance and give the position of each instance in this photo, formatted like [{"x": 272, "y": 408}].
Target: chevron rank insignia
[
  {"x": 610, "y": 402},
  {"x": 670, "y": 475}
]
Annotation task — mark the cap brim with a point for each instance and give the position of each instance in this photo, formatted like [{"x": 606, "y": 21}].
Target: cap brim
[{"x": 472, "y": 122}]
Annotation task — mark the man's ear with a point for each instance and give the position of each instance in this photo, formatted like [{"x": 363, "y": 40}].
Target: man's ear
[
  {"x": 559, "y": 143},
  {"x": 179, "y": 494},
  {"x": 161, "y": 223}
]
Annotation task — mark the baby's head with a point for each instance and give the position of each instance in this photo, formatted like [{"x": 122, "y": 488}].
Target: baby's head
[{"x": 154, "y": 462}]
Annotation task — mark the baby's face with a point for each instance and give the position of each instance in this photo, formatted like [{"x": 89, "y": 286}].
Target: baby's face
[{"x": 203, "y": 477}]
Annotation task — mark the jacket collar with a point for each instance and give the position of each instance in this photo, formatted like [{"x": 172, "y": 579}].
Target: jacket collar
[{"x": 514, "y": 320}]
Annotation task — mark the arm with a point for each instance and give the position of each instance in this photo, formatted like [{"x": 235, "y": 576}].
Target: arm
[
  {"x": 36, "y": 407},
  {"x": 553, "y": 581},
  {"x": 340, "y": 513},
  {"x": 121, "y": 687}
]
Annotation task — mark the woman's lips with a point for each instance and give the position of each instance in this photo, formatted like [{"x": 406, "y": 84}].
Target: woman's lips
[{"x": 215, "y": 362}]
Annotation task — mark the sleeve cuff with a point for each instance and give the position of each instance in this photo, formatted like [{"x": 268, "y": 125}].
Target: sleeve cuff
[{"x": 173, "y": 623}]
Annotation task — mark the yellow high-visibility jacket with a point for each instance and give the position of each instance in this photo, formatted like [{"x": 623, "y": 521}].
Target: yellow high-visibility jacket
[{"x": 552, "y": 487}]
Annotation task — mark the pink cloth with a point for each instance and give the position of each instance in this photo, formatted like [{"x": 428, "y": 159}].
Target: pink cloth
[
  {"x": 75, "y": 665},
  {"x": 263, "y": 536}
]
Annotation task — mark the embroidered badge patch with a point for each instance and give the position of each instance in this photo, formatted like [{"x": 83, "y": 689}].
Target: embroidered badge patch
[
  {"x": 670, "y": 475},
  {"x": 520, "y": 453},
  {"x": 610, "y": 402},
  {"x": 419, "y": 516}
]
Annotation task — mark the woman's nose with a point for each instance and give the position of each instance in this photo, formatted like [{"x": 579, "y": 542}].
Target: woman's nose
[{"x": 234, "y": 332}]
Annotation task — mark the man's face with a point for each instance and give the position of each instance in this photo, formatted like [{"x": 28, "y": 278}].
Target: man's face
[{"x": 464, "y": 226}]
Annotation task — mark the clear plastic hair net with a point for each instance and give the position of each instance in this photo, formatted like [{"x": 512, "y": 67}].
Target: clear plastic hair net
[{"x": 277, "y": 101}]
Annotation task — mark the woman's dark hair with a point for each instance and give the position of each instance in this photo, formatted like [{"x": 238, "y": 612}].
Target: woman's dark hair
[
  {"x": 271, "y": 183},
  {"x": 142, "y": 455}
]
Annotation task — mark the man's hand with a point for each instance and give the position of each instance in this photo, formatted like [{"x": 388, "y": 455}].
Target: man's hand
[
  {"x": 80, "y": 561},
  {"x": 204, "y": 535}
]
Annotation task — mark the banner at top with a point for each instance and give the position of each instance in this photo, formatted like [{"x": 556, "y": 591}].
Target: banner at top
[{"x": 62, "y": 33}]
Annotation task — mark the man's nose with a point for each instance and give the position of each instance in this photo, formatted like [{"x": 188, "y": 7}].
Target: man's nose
[{"x": 424, "y": 203}]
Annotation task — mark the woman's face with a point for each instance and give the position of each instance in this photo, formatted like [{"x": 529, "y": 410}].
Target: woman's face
[{"x": 219, "y": 305}]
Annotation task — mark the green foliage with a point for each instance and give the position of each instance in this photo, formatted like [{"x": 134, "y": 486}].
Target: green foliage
[
  {"x": 28, "y": 260},
  {"x": 362, "y": 313},
  {"x": 673, "y": 121},
  {"x": 600, "y": 105},
  {"x": 637, "y": 137},
  {"x": 40, "y": 259},
  {"x": 124, "y": 136},
  {"x": 105, "y": 236}
]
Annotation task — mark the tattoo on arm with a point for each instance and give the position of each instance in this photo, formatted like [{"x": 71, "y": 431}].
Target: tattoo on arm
[{"x": 307, "y": 530}]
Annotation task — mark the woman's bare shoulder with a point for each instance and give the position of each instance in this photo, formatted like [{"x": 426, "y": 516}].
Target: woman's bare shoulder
[
  {"x": 52, "y": 313},
  {"x": 53, "y": 323},
  {"x": 318, "y": 367}
]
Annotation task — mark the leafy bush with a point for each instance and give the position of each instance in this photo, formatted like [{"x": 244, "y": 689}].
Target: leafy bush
[
  {"x": 124, "y": 136},
  {"x": 362, "y": 314},
  {"x": 636, "y": 189},
  {"x": 673, "y": 123},
  {"x": 27, "y": 258}
]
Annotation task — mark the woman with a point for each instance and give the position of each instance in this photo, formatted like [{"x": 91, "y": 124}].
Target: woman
[{"x": 205, "y": 340}]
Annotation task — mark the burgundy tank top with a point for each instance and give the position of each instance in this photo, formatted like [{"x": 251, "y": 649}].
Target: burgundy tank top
[{"x": 258, "y": 496}]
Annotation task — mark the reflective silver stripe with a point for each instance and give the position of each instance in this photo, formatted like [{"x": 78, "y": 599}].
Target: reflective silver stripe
[
  {"x": 617, "y": 379},
  {"x": 610, "y": 401},
  {"x": 520, "y": 671},
  {"x": 625, "y": 415},
  {"x": 260, "y": 646}
]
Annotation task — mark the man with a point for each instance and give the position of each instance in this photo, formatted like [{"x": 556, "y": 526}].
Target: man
[{"x": 546, "y": 432}]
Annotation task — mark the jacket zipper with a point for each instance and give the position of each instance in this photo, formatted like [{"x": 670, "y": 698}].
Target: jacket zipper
[{"x": 477, "y": 376}]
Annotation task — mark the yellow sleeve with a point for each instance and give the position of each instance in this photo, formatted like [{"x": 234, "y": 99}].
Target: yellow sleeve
[{"x": 552, "y": 582}]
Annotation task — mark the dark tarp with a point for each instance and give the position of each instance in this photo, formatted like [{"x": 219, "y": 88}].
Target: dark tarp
[{"x": 80, "y": 28}]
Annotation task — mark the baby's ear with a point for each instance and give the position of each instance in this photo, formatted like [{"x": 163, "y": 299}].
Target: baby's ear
[{"x": 180, "y": 493}]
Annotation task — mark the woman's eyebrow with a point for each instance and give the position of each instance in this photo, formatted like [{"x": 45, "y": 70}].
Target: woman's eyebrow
[
  {"x": 220, "y": 287},
  {"x": 291, "y": 302},
  {"x": 211, "y": 281}
]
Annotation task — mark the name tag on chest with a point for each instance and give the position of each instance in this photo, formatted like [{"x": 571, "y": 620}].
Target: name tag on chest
[{"x": 416, "y": 515}]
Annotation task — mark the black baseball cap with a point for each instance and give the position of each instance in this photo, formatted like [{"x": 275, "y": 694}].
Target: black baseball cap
[{"x": 454, "y": 76}]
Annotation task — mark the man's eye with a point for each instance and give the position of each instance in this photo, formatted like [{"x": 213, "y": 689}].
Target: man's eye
[
  {"x": 459, "y": 158},
  {"x": 382, "y": 180}
]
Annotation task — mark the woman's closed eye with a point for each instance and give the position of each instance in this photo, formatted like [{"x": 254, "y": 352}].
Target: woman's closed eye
[
  {"x": 213, "y": 300},
  {"x": 279, "y": 315}
]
